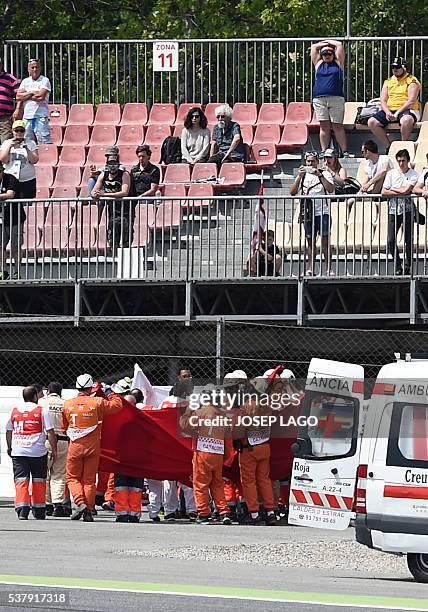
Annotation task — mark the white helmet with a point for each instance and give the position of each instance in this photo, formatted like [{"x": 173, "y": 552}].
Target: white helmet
[
  {"x": 230, "y": 379},
  {"x": 122, "y": 386},
  {"x": 287, "y": 374},
  {"x": 84, "y": 381},
  {"x": 240, "y": 375},
  {"x": 268, "y": 373}
]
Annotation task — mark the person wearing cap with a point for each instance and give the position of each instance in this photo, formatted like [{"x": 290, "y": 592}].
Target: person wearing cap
[
  {"x": 267, "y": 260},
  {"x": 111, "y": 154},
  {"x": 12, "y": 226},
  {"x": 145, "y": 175},
  {"x": 328, "y": 57},
  {"x": 334, "y": 168},
  {"x": 9, "y": 86},
  {"x": 316, "y": 213},
  {"x": 19, "y": 155},
  {"x": 226, "y": 139},
  {"x": 82, "y": 417},
  {"x": 34, "y": 92},
  {"x": 400, "y": 103}
]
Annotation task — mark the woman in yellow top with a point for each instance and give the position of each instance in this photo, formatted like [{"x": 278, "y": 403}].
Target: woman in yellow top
[{"x": 399, "y": 99}]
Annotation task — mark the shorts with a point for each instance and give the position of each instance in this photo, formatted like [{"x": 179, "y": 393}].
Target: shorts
[
  {"x": 318, "y": 227},
  {"x": 38, "y": 130},
  {"x": 381, "y": 116},
  {"x": 13, "y": 234},
  {"x": 27, "y": 190},
  {"x": 329, "y": 108}
]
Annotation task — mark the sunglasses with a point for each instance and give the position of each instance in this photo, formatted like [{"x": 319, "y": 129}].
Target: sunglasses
[
  {"x": 195, "y": 116},
  {"x": 326, "y": 53},
  {"x": 19, "y": 130}
]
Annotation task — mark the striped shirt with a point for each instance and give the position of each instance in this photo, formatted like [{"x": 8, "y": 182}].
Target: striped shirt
[{"x": 9, "y": 85}]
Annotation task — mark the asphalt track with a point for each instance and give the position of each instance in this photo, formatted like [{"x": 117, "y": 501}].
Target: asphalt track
[{"x": 85, "y": 562}]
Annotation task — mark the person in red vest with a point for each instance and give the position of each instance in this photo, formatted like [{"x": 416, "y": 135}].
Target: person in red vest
[{"x": 26, "y": 432}]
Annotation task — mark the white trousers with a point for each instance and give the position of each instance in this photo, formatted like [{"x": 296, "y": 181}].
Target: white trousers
[{"x": 166, "y": 491}]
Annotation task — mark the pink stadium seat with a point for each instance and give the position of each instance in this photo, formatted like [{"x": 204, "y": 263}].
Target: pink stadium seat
[
  {"x": 42, "y": 192},
  {"x": 31, "y": 237},
  {"x": 72, "y": 156},
  {"x": 56, "y": 134},
  {"x": 168, "y": 215},
  {"x": 134, "y": 113},
  {"x": 298, "y": 112},
  {"x": 203, "y": 171},
  {"x": 127, "y": 155},
  {"x": 177, "y": 173},
  {"x": 182, "y": 112},
  {"x": 314, "y": 124},
  {"x": 81, "y": 114},
  {"x": 177, "y": 190},
  {"x": 76, "y": 135},
  {"x": 57, "y": 225},
  {"x": 200, "y": 190},
  {"x": 162, "y": 114},
  {"x": 245, "y": 113},
  {"x": 67, "y": 176},
  {"x": 84, "y": 180},
  {"x": 177, "y": 131},
  {"x": 247, "y": 134},
  {"x": 64, "y": 192},
  {"x": 48, "y": 155},
  {"x": 144, "y": 220},
  {"x": 156, "y": 134},
  {"x": 44, "y": 175},
  {"x": 271, "y": 113},
  {"x": 107, "y": 114},
  {"x": 294, "y": 135},
  {"x": 131, "y": 135},
  {"x": 103, "y": 135},
  {"x": 267, "y": 133},
  {"x": 82, "y": 234},
  {"x": 96, "y": 155},
  {"x": 262, "y": 155},
  {"x": 57, "y": 114},
  {"x": 210, "y": 111},
  {"x": 234, "y": 174},
  {"x": 156, "y": 150}
]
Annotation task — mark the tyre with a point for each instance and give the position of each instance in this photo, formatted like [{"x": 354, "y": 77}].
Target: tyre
[{"x": 418, "y": 566}]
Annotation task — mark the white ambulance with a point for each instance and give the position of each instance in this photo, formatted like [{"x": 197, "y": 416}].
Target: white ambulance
[{"x": 379, "y": 449}]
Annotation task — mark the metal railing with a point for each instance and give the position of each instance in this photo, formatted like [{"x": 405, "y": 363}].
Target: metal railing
[
  {"x": 233, "y": 70},
  {"x": 211, "y": 238}
]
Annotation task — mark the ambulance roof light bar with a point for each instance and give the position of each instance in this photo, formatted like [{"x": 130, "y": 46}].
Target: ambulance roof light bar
[{"x": 409, "y": 357}]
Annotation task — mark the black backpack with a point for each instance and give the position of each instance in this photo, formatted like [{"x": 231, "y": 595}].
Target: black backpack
[{"x": 171, "y": 150}]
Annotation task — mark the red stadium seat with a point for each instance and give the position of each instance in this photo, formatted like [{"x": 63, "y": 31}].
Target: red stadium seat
[
  {"x": 67, "y": 176},
  {"x": 262, "y": 155},
  {"x": 162, "y": 114},
  {"x": 298, "y": 112},
  {"x": 177, "y": 131},
  {"x": 48, "y": 155},
  {"x": 182, "y": 112},
  {"x": 107, "y": 114},
  {"x": 56, "y": 134},
  {"x": 203, "y": 171},
  {"x": 76, "y": 135},
  {"x": 131, "y": 135},
  {"x": 200, "y": 190},
  {"x": 247, "y": 133},
  {"x": 82, "y": 234},
  {"x": 267, "y": 133},
  {"x": 156, "y": 150},
  {"x": 294, "y": 136},
  {"x": 72, "y": 156},
  {"x": 103, "y": 135},
  {"x": 233, "y": 173},
  {"x": 57, "y": 114},
  {"x": 128, "y": 157},
  {"x": 176, "y": 190},
  {"x": 44, "y": 175},
  {"x": 96, "y": 155},
  {"x": 210, "y": 111},
  {"x": 168, "y": 215},
  {"x": 134, "y": 113},
  {"x": 64, "y": 192},
  {"x": 156, "y": 134},
  {"x": 314, "y": 124},
  {"x": 144, "y": 220},
  {"x": 84, "y": 180},
  {"x": 272, "y": 114},
  {"x": 81, "y": 114},
  {"x": 42, "y": 192},
  {"x": 59, "y": 219},
  {"x": 245, "y": 113},
  {"x": 177, "y": 173}
]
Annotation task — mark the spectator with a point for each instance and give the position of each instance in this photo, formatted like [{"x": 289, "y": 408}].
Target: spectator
[
  {"x": 267, "y": 260},
  {"x": 421, "y": 187},
  {"x": 19, "y": 154},
  {"x": 328, "y": 57},
  {"x": 145, "y": 175},
  {"x": 13, "y": 223},
  {"x": 115, "y": 184},
  {"x": 34, "y": 92},
  {"x": 399, "y": 100},
  {"x": 226, "y": 142},
  {"x": 311, "y": 181},
  {"x": 9, "y": 86},
  {"x": 400, "y": 183},
  {"x": 337, "y": 173},
  {"x": 376, "y": 168},
  {"x": 195, "y": 137},
  {"x": 111, "y": 154}
]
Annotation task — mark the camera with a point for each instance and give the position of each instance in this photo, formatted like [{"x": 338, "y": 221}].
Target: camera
[{"x": 310, "y": 169}]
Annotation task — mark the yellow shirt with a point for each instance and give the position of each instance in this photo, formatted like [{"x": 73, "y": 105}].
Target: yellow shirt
[{"x": 397, "y": 91}]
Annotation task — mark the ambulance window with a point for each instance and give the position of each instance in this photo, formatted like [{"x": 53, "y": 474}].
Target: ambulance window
[
  {"x": 332, "y": 435},
  {"x": 413, "y": 432}
]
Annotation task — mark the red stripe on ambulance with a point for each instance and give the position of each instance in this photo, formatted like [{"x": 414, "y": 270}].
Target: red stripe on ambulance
[{"x": 400, "y": 492}]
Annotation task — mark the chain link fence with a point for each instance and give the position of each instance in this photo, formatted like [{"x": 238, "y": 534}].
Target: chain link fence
[{"x": 46, "y": 352}]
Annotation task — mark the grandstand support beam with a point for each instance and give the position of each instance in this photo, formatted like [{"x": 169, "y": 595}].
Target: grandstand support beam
[
  {"x": 219, "y": 350},
  {"x": 188, "y": 303},
  {"x": 77, "y": 304},
  {"x": 412, "y": 304},
  {"x": 300, "y": 302}
]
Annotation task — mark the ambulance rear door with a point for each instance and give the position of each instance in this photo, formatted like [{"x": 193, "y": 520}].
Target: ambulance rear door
[{"x": 328, "y": 445}]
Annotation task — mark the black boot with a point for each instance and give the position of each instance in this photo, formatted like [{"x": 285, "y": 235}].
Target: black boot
[
  {"x": 39, "y": 513},
  {"x": 58, "y": 511},
  {"x": 23, "y": 513},
  {"x": 122, "y": 518},
  {"x": 49, "y": 509}
]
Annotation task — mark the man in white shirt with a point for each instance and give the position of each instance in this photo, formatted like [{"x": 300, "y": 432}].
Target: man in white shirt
[
  {"x": 400, "y": 183},
  {"x": 34, "y": 92},
  {"x": 310, "y": 180},
  {"x": 26, "y": 432},
  {"x": 376, "y": 168},
  {"x": 421, "y": 187}
]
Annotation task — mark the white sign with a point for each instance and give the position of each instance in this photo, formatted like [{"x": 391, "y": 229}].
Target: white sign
[
  {"x": 165, "y": 56},
  {"x": 325, "y": 518}
]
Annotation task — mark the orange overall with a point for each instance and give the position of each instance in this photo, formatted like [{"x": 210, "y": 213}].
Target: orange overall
[{"x": 82, "y": 417}]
